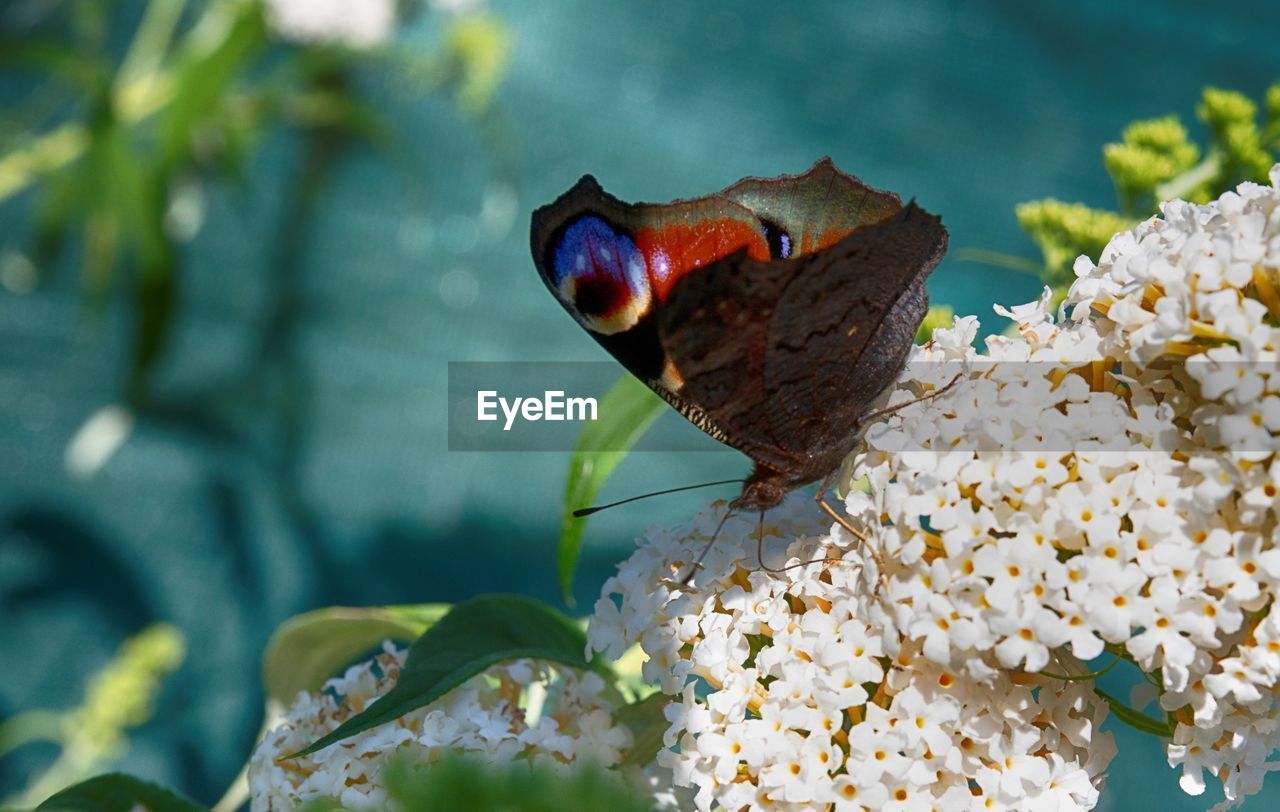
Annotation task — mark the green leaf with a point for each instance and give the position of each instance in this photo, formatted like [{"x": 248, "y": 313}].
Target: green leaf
[
  {"x": 117, "y": 792},
  {"x": 626, "y": 412},
  {"x": 473, "y": 636},
  {"x": 215, "y": 54},
  {"x": 647, "y": 725},
  {"x": 455, "y": 783},
  {"x": 310, "y": 648},
  {"x": 1136, "y": 720}
]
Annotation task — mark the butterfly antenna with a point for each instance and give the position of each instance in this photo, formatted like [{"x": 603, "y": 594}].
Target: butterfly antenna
[
  {"x": 580, "y": 512},
  {"x": 697, "y": 565}
]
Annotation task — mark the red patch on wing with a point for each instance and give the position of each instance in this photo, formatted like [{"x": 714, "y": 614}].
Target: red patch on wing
[{"x": 672, "y": 251}]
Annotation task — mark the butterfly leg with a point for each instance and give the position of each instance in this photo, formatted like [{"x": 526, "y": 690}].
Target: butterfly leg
[{"x": 820, "y": 498}]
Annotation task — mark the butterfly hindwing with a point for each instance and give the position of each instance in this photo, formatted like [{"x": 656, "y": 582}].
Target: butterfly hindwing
[
  {"x": 718, "y": 345},
  {"x": 842, "y": 330},
  {"x": 787, "y": 359}
]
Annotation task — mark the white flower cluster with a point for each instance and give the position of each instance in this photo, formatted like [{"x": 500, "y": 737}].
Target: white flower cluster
[
  {"x": 1110, "y": 479},
  {"x": 1191, "y": 304},
  {"x": 564, "y": 716},
  {"x": 1106, "y": 481},
  {"x": 815, "y": 701}
]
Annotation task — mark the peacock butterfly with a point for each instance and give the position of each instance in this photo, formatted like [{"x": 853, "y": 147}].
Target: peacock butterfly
[{"x": 771, "y": 315}]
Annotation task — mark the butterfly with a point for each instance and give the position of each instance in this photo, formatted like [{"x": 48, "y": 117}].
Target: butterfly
[{"x": 772, "y": 314}]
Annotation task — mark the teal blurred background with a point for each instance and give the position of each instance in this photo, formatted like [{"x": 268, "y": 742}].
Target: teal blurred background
[{"x": 292, "y": 453}]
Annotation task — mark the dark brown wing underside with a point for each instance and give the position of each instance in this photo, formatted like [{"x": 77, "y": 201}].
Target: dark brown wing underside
[{"x": 786, "y": 360}]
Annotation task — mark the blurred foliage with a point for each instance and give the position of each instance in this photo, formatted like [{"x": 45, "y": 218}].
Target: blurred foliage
[
  {"x": 124, "y": 116},
  {"x": 117, "y": 793},
  {"x": 460, "y": 783},
  {"x": 937, "y": 316},
  {"x": 1156, "y": 160},
  {"x": 475, "y": 54},
  {"x": 118, "y": 150},
  {"x": 457, "y": 783},
  {"x": 450, "y": 784},
  {"x": 118, "y": 698}
]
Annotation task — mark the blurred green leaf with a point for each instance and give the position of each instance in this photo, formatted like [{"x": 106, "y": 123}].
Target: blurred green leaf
[
  {"x": 69, "y": 64},
  {"x": 151, "y": 40},
  {"x": 626, "y": 412},
  {"x": 310, "y": 648},
  {"x": 473, "y": 636},
  {"x": 458, "y": 783},
  {"x": 216, "y": 52},
  {"x": 126, "y": 218},
  {"x": 647, "y": 725},
  {"x": 477, "y": 47},
  {"x": 937, "y": 316},
  {"x": 117, "y": 792}
]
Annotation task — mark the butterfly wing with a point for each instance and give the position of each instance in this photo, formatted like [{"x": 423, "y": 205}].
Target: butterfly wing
[
  {"x": 807, "y": 213},
  {"x": 787, "y": 358},
  {"x": 611, "y": 264}
]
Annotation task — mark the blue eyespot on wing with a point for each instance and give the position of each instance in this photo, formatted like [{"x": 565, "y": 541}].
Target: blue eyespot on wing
[{"x": 601, "y": 274}]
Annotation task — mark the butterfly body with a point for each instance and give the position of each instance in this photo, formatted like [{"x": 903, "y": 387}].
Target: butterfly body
[{"x": 772, "y": 314}]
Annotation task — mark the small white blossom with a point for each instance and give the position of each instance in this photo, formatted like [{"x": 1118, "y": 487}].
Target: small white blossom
[{"x": 352, "y": 23}]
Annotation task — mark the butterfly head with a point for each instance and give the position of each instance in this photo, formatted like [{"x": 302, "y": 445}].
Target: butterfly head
[{"x": 762, "y": 491}]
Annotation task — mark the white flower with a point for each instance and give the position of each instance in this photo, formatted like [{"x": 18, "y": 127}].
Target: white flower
[{"x": 352, "y": 23}]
